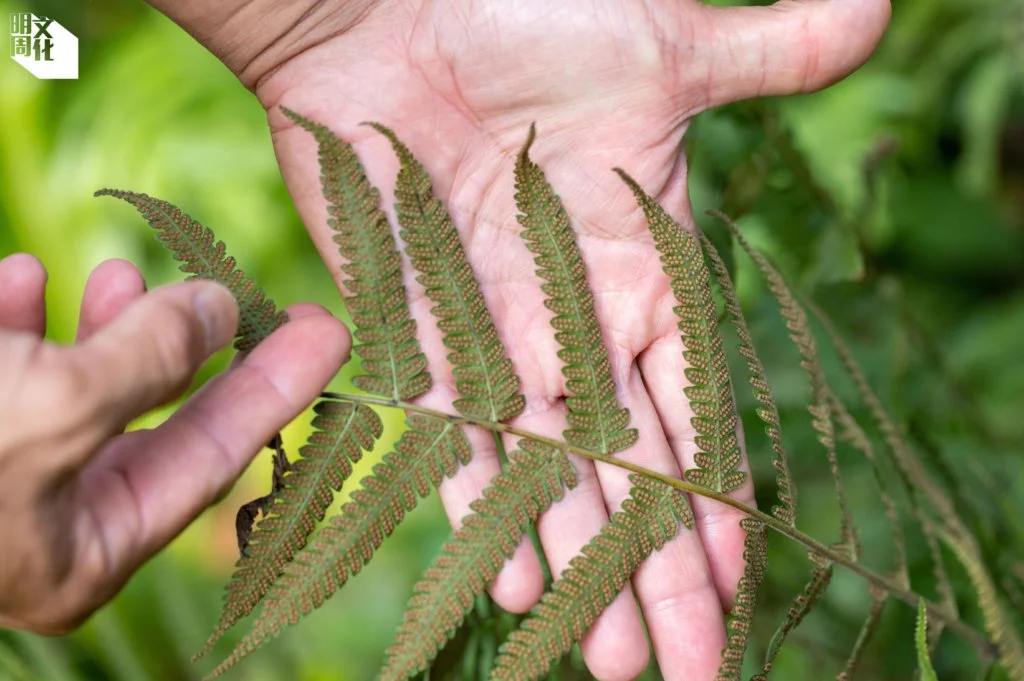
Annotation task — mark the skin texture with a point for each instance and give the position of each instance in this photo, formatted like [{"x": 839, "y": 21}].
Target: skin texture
[
  {"x": 608, "y": 83},
  {"x": 84, "y": 503}
]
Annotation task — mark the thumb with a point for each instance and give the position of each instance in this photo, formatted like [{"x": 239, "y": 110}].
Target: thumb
[
  {"x": 149, "y": 353},
  {"x": 791, "y": 46}
]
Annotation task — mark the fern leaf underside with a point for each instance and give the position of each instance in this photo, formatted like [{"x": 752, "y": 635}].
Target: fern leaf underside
[
  {"x": 596, "y": 419},
  {"x": 802, "y": 605},
  {"x": 483, "y": 373},
  {"x": 287, "y": 579},
  {"x": 710, "y": 389},
  {"x": 393, "y": 363},
  {"x": 755, "y": 556},
  {"x": 767, "y": 412},
  {"x": 710, "y": 393},
  {"x": 649, "y": 519},
  {"x": 342, "y": 431},
  {"x": 471, "y": 560},
  {"x": 193, "y": 245},
  {"x": 430, "y": 450},
  {"x": 821, "y": 395}
]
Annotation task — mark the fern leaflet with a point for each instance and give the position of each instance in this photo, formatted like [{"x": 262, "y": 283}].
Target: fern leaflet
[
  {"x": 821, "y": 395},
  {"x": 483, "y": 373},
  {"x": 710, "y": 389},
  {"x": 802, "y": 605},
  {"x": 342, "y": 431},
  {"x": 193, "y": 246},
  {"x": 855, "y": 435},
  {"x": 767, "y": 412},
  {"x": 1000, "y": 628},
  {"x": 649, "y": 518},
  {"x": 471, "y": 560},
  {"x": 393, "y": 362},
  {"x": 711, "y": 397},
  {"x": 596, "y": 420},
  {"x": 874, "y": 618},
  {"x": 755, "y": 555},
  {"x": 428, "y": 451},
  {"x": 924, "y": 662}
]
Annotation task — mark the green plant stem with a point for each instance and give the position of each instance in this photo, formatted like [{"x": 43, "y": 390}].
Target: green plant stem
[{"x": 985, "y": 647}]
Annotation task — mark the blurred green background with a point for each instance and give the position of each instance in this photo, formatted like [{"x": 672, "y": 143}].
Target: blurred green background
[{"x": 896, "y": 198}]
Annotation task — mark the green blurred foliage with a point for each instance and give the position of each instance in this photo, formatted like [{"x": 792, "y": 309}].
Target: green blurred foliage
[{"x": 895, "y": 198}]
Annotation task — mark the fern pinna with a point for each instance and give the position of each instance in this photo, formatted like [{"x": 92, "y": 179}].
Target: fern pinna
[
  {"x": 290, "y": 569},
  {"x": 469, "y": 562},
  {"x": 342, "y": 431},
  {"x": 193, "y": 245},
  {"x": 488, "y": 387}
]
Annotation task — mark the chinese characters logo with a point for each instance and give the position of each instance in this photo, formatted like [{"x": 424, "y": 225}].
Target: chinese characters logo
[{"x": 43, "y": 47}]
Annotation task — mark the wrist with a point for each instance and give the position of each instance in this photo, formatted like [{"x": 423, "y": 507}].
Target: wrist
[{"x": 255, "y": 37}]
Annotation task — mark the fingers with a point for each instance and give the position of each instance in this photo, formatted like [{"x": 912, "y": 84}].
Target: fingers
[
  {"x": 718, "y": 525},
  {"x": 110, "y": 288},
  {"x": 22, "y": 294},
  {"x": 149, "y": 353},
  {"x": 674, "y": 586},
  {"x": 149, "y": 485},
  {"x": 789, "y": 47}
]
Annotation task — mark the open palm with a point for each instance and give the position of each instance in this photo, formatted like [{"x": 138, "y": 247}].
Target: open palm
[{"x": 608, "y": 83}]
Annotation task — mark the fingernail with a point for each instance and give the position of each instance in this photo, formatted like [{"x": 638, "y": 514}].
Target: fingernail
[{"x": 213, "y": 307}]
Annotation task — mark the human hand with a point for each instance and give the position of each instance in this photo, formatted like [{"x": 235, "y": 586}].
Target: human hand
[
  {"x": 85, "y": 504},
  {"x": 611, "y": 83}
]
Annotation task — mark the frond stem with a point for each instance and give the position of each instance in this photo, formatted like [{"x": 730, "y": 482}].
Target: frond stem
[{"x": 985, "y": 647}]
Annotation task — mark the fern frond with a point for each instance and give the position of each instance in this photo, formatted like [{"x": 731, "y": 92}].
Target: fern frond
[
  {"x": 867, "y": 630},
  {"x": 342, "y": 432},
  {"x": 767, "y": 412},
  {"x": 484, "y": 376},
  {"x": 800, "y": 608},
  {"x": 596, "y": 419},
  {"x": 924, "y": 662},
  {"x": 801, "y": 335},
  {"x": 710, "y": 390},
  {"x": 1009, "y": 647},
  {"x": 430, "y": 450},
  {"x": 756, "y": 558},
  {"x": 193, "y": 246},
  {"x": 392, "y": 360},
  {"x": 855, "y": 435},
  {"x": 649, "y": 518},
  {"x": 471, "y": 560},
  {"x": 916, "y": 479}
]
